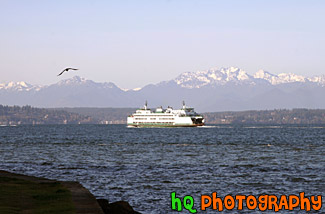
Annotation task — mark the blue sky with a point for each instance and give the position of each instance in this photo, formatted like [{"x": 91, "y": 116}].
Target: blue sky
[{"x": 134, "y": 43}]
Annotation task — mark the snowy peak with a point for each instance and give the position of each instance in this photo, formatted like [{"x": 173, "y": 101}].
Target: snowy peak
[
  {"x": 80, "y": 81},
  {"x": 320, "y": 80},
  {"x": 223, "y": 76},
  {"x": 261, "y": 74},
  {"x": 18, "y": 86},
  {"x": 279, "y": 79},
  {"x": 287, "y": 78},
  {"x": 234, "y": 74},
  {"x": 213, "y": 77},
  {"x": 273, "y": 79},
  {"x": 76, "y": 80}
]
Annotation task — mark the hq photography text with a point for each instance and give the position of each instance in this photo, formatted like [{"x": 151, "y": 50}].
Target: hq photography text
[{"x": 251, "y": 202}]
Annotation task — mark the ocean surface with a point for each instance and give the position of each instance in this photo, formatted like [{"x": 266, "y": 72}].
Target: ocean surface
[{"x": 144, "y": 165}]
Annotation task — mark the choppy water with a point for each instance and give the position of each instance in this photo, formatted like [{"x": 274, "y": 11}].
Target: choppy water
[{"x": 144, "y": 165}]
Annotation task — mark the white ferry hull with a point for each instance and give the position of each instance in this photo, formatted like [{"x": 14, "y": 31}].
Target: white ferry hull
[
  {"x": 164, "y": 125},
  {"x": 178, "y": 122}
]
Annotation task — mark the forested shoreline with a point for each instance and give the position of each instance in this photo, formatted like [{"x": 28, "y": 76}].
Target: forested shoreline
[{"x": 18, "y": 115}]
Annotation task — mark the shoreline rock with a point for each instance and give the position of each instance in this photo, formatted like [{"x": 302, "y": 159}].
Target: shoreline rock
[
  {"x": 118, "y": 207},
  {"x": 83, "y": 200}
]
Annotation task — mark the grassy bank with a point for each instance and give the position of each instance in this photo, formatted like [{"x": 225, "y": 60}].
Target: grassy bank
[{"x": 28, "y": 196}]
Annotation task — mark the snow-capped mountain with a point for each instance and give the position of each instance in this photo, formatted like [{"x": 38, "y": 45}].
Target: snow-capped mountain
[
  {"x": 80, "y": 81},
  {"x": 320, "y": 80},
  {"x": 211, "y": 90},
  {"x": 221, "y": 76},
  {"x": 19, "y": 86},
  {"x": 279, "y": 79},
  {"x": 76, "y": 80},
  {"x": 237, "y": 76}
]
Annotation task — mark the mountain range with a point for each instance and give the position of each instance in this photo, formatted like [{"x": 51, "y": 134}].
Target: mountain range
[{"x": 224, "y": 89}]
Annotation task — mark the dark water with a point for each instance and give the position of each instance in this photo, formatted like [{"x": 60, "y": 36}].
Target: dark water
[{"x": 143, "y": 166}]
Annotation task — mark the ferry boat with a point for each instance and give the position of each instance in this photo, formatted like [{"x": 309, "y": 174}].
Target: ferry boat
[{"x": 185, "y": 117}]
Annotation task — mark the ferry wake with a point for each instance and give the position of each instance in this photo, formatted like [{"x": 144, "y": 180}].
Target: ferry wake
[{"x": 184, "y": 117}]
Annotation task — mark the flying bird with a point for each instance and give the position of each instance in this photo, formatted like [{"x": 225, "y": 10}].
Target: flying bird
[{"x": 67, "y": 69}]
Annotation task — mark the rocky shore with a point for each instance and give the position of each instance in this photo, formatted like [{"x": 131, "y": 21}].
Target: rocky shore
[{"x": 80, "y": 199}]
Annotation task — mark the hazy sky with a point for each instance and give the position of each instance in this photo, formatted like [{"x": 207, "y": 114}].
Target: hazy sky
[{"x": 134, "y": 43}]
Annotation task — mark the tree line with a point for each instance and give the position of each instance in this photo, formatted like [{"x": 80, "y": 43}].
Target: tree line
[
  {"x": 16, "y": 115},
  {"x": 277, "y": 116}
]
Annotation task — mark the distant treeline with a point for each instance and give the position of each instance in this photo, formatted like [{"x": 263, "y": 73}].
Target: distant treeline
[
  {"x": 14, "y": 115},
  {"x": 279, "y": 116},
  {"x": 103, "y": 115}
]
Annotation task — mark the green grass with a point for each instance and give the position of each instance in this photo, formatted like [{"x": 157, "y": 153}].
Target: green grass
[{"x": 22, "y": 196}]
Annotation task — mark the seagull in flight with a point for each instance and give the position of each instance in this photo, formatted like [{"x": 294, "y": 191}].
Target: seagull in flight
[{"x": 67, "y": 69}]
